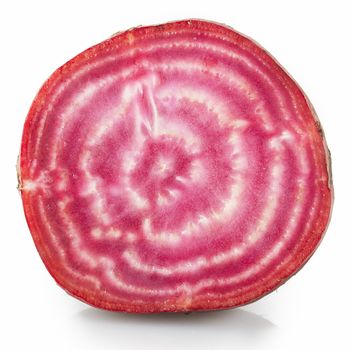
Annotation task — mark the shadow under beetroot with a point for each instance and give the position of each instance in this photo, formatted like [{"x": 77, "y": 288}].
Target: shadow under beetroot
[{"x": 225, "y": 320}]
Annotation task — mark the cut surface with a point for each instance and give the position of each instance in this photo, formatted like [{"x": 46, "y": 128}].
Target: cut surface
[{"x": 174, "y": 168}]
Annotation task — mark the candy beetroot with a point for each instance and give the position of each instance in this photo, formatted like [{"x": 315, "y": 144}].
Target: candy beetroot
[{"x": 174, "y": 168}]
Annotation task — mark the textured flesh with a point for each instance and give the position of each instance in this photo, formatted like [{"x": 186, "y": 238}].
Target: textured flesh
[{"x": 173, "y": 168}]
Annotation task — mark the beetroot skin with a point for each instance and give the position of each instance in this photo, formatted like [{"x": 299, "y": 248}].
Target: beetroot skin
[{"x": 174, "y": 168}]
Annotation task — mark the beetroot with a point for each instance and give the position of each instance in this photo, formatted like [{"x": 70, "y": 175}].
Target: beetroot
[{"x": 174, "y": 168}]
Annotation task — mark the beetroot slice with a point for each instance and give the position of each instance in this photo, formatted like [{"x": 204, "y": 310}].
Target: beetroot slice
[{"x": 174, "y": 168}]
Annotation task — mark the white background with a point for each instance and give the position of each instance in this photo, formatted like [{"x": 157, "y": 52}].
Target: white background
[{"x": 311, "y": 311}]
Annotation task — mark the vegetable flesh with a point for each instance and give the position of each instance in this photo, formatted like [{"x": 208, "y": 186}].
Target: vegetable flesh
[{"x": 174, "y": 168}]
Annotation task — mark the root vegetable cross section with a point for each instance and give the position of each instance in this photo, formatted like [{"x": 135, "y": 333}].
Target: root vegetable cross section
[{"x": 173, "y": 168}]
